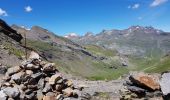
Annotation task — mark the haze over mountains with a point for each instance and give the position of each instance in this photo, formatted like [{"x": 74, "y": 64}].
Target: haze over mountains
[{"x": 106, "y": 55}]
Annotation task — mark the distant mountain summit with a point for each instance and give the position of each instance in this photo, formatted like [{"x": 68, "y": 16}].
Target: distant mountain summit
[{"x": 133, "y": 40}]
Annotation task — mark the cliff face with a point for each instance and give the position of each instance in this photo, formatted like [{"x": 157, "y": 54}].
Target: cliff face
[
  {"x": 11, "y": 50},
  {"x": 7, "y": 30}
]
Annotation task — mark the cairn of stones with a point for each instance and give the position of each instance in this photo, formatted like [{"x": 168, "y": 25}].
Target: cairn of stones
[{"x": 35, "y": 79}]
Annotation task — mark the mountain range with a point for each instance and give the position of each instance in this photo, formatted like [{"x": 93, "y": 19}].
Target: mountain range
[{"x": 106, "y": 55}]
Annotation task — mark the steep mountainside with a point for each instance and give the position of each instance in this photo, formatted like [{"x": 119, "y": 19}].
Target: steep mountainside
[{"x": 11, "y": 51}]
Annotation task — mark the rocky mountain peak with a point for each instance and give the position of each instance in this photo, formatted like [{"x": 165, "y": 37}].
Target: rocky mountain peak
[
  {"x": 146, "y": 29},
  {"x": 88, "y": 34}
]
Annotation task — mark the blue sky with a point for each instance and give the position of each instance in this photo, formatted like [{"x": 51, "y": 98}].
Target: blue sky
[{"x": 81, "y": 16}]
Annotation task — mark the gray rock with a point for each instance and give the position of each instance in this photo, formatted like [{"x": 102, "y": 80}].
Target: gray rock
[
  {"x": 3, "y": 96},
  {"x": 41, "y": 83},
  {"x": 13, "y": 70},
  {"x": 12, "y": 92},
  {"x": 136, "y": 89},
  {"x": 165, "y": 83},
  {"x": 47, "y": 88},
  {"x": 17, "y": 77},
  {"x": 36, "y": 76},
  {"x": 50, "y": 94}
]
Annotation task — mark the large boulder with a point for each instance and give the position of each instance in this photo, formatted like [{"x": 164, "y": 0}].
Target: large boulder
[
  {"x": 145, "y": 80},
  {"x": 165, "y": 83}
]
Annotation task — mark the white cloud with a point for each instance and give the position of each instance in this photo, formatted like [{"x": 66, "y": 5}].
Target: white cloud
[
  {"x": 3, "y": 12},
  {"x": 135, "y": 6},
  {"x": 157, "y": 2},
  {"x": 28, "y": 9}
]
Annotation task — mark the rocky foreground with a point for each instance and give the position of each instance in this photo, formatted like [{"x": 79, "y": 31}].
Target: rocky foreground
[
  {"x": 35, "y": 79},
  {"x": 143, "y": 86}
]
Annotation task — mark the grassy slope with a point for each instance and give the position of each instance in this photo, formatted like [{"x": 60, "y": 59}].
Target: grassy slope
[
  {"x": 160, "y": 66},
  {"x": 83, "y": 66}
]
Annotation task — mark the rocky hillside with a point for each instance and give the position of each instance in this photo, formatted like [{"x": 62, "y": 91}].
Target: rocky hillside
[{"x": 138, "y": 47}]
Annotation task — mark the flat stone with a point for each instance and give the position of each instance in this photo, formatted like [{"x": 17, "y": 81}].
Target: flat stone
[
  {"x": 136, "y": 89},
  {"x": 34, "y": 55},
  {"x": 146, "y": 80},
  {"x": 54, "y": 79},
  {"x": 34, "y": 87},
  {"x": 31, "y": 67},
  {"x": 68, "y": 92},
  {"x": 50, "y": 94},
  {"x": 12, "y": 92},
  {"x": 36, "y": 76},
  {"x": 29, "y": 72},
  {"x": 165, "y": 83},
  {"x": 49, "y": 98},
  {"x": 13, "y": 70}
]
